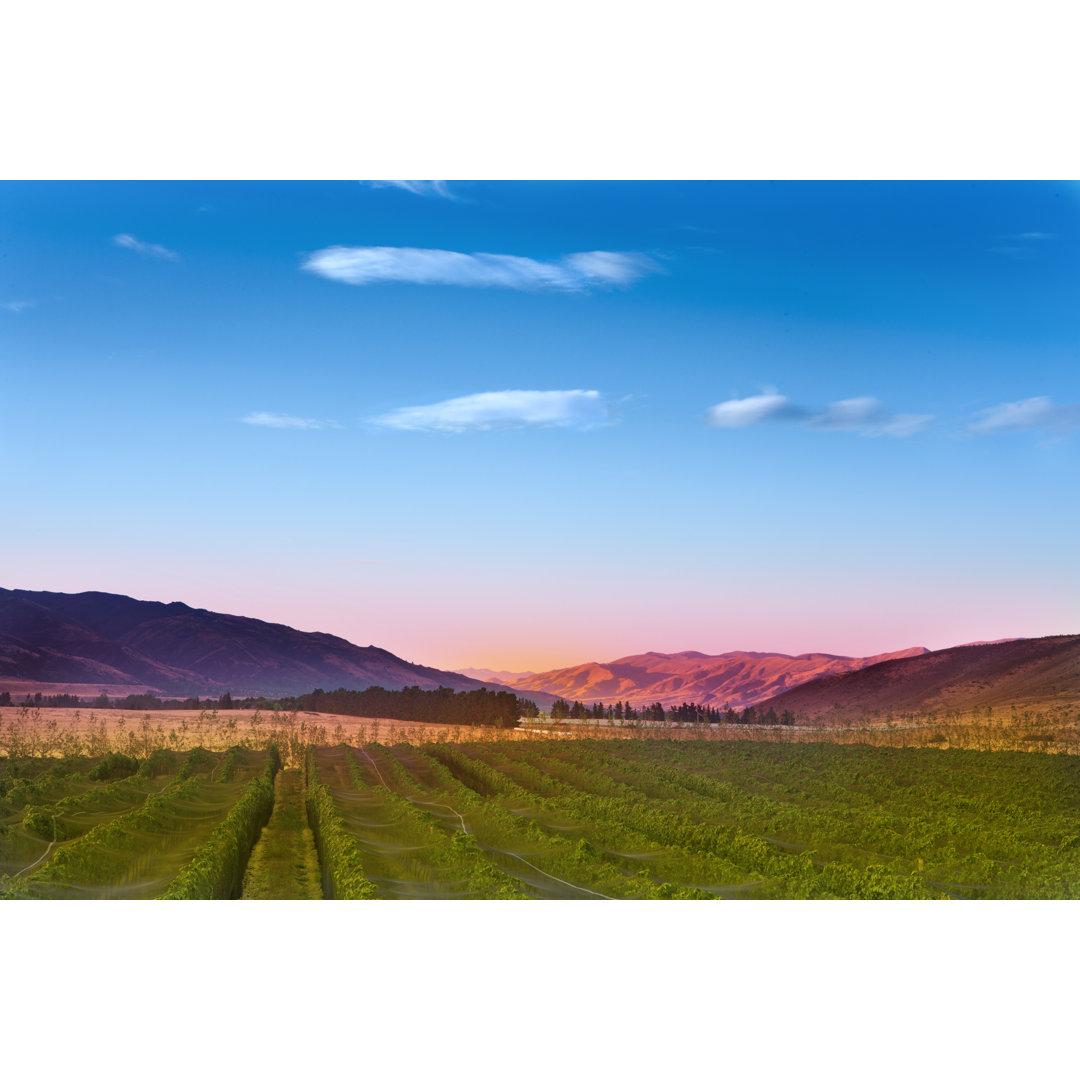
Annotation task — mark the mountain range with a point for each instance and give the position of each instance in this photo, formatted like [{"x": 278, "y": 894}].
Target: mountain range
[
  {"x": 737, "y": 679},
  {"x": 98, "y": 640},
  {"x": 84, "y": 642}
]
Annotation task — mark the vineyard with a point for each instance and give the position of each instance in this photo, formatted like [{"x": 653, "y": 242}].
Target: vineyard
[
  {"x": 178, "y": 825},
  {"x": 543, "y": 819}
]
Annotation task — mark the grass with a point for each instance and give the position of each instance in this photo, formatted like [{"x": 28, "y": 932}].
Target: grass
[{"x": 284, "y": 864}]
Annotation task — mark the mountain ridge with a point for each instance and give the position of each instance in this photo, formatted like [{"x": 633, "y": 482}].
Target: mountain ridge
[
  {"x": 737, "y": 678},
  {"x": 90, "y": 637}
]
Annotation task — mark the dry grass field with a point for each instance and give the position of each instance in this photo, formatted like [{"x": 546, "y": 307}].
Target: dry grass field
[{"x": 56, "y": 732}]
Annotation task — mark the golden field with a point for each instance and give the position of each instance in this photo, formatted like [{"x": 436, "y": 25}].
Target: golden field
[{"x": 56, "y": 732}]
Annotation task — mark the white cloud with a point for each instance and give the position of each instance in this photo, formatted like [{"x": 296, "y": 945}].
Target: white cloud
[
  {"x": 503, "y": 408},
  {"x": 1027, "y": 415},
  {"x": 609, "y": 267},
  {"x": 425, "y": 188},
  {"x": 742, "y": 412},
  {"x": 17, "y": 305},
  {"x": 863, "y": 415},
  {"x": 155, "y": 251},
  {"x": 425, "y": 266},
  {"x": 278, "y": 420}
]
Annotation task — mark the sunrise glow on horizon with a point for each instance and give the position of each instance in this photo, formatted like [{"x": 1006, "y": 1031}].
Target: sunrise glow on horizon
[{"x": 523, "y": 426}]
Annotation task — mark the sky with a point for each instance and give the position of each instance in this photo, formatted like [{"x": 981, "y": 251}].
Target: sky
[{"x": 526, "y": 425}]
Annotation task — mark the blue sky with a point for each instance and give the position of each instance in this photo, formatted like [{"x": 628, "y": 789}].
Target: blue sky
[{"x": 794, "y": 417}]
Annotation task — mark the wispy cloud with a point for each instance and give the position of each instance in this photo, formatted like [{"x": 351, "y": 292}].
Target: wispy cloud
[
  {"x": 1020, "y": 245},
  {"x": 863, "y": 415},
  {"x": 425, "y": 266},
  {"x": 1037, "y": 413},
  {"x": 900, "y": 425},
  {"x": 279, "y": 420},
  {"x": 742, "y": 412},
  {"x": 851, "y": 414},
  {"x": 17, "y": 305},
  {"x": 503, "y": 408},
  {"x": 155, "y": 251},
  {"x": 425, "y": 188}
]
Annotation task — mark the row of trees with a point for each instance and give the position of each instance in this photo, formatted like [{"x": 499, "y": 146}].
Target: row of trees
[
  {"x": 39, "y": 700},
  {"x": 687, "y": 713},
  {"x": 487, "y": 708},
  {"x": 140, "y": 702},
  {"x": 442, "y": 706}
]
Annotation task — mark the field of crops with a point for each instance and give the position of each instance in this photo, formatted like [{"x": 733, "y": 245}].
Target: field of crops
[
  {"x": 664, "y": 819},
  {"x": 544, "y": 819}
]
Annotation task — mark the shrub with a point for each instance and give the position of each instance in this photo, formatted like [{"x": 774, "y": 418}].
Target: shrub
[
  {"x": 114, "y": 767},
  {"x": 158, "y": 763},
  {"x": 197, "y": 759}
]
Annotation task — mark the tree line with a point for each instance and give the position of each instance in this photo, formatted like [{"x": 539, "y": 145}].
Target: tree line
[
  {"x": 501, "y": 709},
  {"x": 687, "y": 713},
  {"x": 483, "y": 707}
]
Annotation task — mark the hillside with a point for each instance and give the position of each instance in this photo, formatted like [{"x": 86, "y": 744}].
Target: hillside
[
  {"x": 99, "y": 638},
  {"x": 737, "y": 679},
  {"x": 1030, "y": 673}
]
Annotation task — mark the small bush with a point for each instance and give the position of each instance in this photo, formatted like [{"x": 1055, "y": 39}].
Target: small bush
[
  {"x": 43, "y": 821},
  {"x": 157, "y": 764},
  {"x": 196, "y": 760},
  {"x": 114, "y": 767}
]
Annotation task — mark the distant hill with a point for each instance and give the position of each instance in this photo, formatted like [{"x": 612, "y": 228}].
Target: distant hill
[
  {"x": 489, "y": 675},
  {"x": 106, "y": 639},
  {"x": 737, "y": 679},
  {"x": 1031, "y": 673}
]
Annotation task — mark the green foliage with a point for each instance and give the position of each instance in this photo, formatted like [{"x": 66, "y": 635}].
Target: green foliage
[
  {"x": 158, "y": 763},
  {"x": 483, "y": 707},
  {"x": 690, "y": 819},
  {"x": 68, "y": 817},
  {"x": 583, "y": 818},
  {"x": 139, "y": 853},
  {"x": 65, "y": 767},
  {"x": 216, "y": 871},
  {"x": 284, "y": 864},
  {"x": 227, "y": 768},
  {"x": 114, "y": 766},
  {"x": 44, "y": 822},
  {"x": 445, "y": 855},
  {"x": 13, "y": 888},
  {"x": 197, "y": 760},
  {"x": 339, "y": 852},
  {"x": 104, "y": 853}
]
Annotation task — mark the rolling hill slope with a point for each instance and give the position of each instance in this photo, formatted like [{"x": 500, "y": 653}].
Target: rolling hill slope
[{"x": 1030, "y": 673}]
